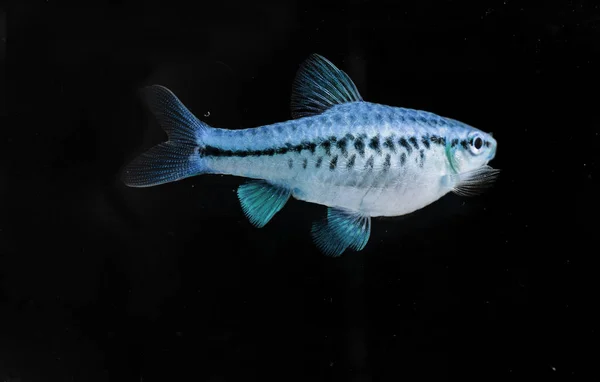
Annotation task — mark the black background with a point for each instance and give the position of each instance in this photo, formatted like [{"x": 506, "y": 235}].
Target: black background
[{"x": 100, "y": 282}]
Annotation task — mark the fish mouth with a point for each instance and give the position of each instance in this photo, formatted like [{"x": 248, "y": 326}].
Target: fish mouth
[{"x": 492, "y": 153}]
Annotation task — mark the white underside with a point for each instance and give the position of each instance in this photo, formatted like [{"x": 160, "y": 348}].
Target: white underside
[
  {"x": 373, "y": 201},
  {"x": 398, "y": 191}
]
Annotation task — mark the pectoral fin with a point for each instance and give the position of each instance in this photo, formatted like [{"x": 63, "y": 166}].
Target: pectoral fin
[{"x": 472, "y": 183}]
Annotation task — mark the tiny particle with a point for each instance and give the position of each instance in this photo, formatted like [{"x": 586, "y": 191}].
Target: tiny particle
[
  {"x": 207, "y": 114},
  {"x": 331, "y": 364},
  {"x": 553, "y": 368}
]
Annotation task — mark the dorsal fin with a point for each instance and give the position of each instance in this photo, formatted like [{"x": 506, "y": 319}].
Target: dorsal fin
[{"x": 320, "y": 85}]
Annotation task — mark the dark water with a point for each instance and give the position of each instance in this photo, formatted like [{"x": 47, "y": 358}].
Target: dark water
[{"x": 100, "y": 282}]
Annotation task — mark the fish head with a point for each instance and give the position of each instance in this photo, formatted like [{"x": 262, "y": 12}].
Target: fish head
[{"x": 471, "y": 149}]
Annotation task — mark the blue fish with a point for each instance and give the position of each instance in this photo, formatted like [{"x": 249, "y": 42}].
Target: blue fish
[{"x": 359, "y": 159}]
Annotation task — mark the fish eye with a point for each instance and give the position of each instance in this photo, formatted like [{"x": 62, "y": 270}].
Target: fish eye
[{"x": 476, "y": 143}]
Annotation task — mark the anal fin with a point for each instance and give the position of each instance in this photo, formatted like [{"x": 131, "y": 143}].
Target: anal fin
[
  {"x": 261, "y": 201},
  {"x": 341, "y": 230}
]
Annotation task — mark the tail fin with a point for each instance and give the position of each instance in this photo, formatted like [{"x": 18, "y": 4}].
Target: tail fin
[{"x": 177, "y": 158}]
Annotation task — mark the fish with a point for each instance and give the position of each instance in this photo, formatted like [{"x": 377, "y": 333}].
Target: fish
[{"x": 361, "y": 160}]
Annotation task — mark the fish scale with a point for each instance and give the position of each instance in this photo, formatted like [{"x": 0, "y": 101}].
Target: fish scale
[
  {"x": 359, "y": 159},
  {"x": 334, "y": 135}
]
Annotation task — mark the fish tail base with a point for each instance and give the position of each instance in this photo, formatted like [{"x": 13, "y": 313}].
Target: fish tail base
[{"x": 181, "y": 156}]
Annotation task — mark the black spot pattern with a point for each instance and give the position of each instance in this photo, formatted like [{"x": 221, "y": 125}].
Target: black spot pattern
[
  {"x": 374, "y": 144},
  {"x": 387, "y": 163},
  {"x": 342, "y": 145},
  {"x": 326, "y": 144},
  {"x": 404, "y": 143},
  {"x": 389, "y": 144},
  {"x": 351, "y": 162},
  {"x": 438, "y": 140},
  {"x": 359, "y": 145},
  {"x": 288, "y": 147},
  {"x": 333, "y": 163},
  {"x": 413, "y": 141}
]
